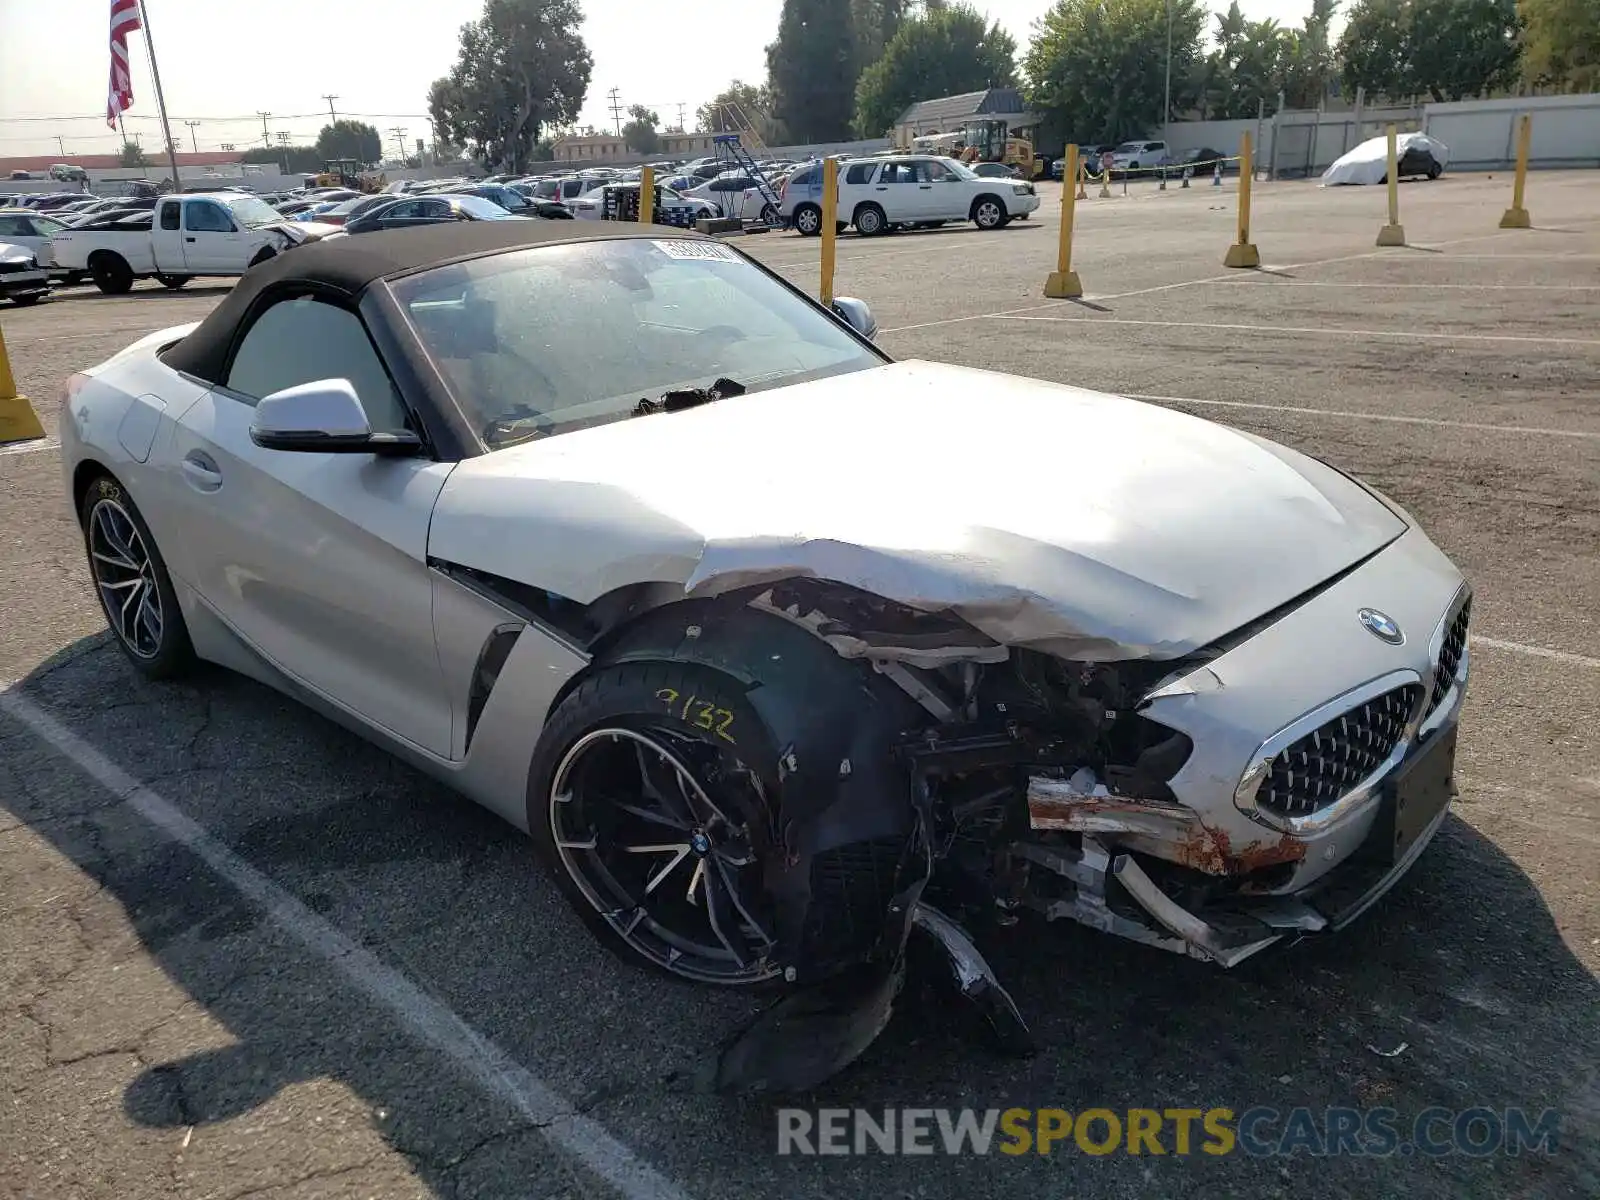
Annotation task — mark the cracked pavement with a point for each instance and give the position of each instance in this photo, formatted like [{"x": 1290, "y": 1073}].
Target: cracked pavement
[{"x": 161, "y": 1036}]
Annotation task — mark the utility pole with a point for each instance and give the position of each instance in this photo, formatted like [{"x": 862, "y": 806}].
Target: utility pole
[
  {"x": 266, "y": 135},
  {"x": 400, "y": 141},
  {"x": 332, "y": 116},
  {"x": 616, "y": 108},
  {"x": 62, "y": 142},
  {"x": 283, "y": 137},
  {"x": 1166, "y": 112},
  {"x": 194, "y": 139},
  {"x": 681, "y": 107}
]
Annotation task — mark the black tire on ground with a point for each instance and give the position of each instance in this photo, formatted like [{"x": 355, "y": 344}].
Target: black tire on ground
[
  {"x": 173, "y": 282},
  {"x": 597, "y": 768},
  {"x": 1435, "y": 170},
  {"x": 131, "y": 581},
  {"x": 770, "y": 215},
  {"x": 111, "y": 273},
  {"x": 27, "y": 301},
  {"x": 869, "y": 220},
  {"x": 808, "y": 220},
  {"x": 989, "y": 212}
]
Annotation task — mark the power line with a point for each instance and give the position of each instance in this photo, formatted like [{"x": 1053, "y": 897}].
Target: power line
[
  {"x": 616, "y": 109},
  {"x": 266, "y": 137}
]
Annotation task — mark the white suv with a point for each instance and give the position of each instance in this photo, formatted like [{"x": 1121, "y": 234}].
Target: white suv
[
  {"x": 881, "y": 193},
  {"x": 1131, "y": 156}
]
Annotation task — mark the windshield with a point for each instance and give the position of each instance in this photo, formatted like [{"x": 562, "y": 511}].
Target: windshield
[
  {"x": 251, "y": 212},
  {"x": 548, "y": 339},
  {"x": 1129, "y": 148}
]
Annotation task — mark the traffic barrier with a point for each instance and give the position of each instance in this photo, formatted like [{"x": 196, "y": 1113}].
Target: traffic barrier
[
  {"x": 1083, "y": 171},
  {"x": 1243, "y": 252},
  {"x": 1063, "y": 282},
  {"x": 647, "y": 196},
  {"x": 1394, "y": 233},
  {"x": 830, "y": 230},
  {"x": 1216, "y": 173},
  {"x": 1516, "y": 216},
  {"x": 18, "y": 421}
]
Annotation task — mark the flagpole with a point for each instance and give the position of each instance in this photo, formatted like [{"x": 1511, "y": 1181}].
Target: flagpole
[{"x": 161, "y": 103}]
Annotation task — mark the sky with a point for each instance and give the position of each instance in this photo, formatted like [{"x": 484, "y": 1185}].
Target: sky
[{"x": 222, "y": 61}]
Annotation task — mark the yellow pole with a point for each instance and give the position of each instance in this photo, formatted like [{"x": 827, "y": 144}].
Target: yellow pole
[
  {"x": 18, "y": 421},
  {"x": 1083, "y": 191},
  {"x": 1063, "y": 283},
  {"x": 830, "y": 220},
  {"x": 1517, "y": 216},
  {"x": 647, "y": 196},
  {"x": 1393, "y": 234},
  {"x": 1243, "y": 252}
]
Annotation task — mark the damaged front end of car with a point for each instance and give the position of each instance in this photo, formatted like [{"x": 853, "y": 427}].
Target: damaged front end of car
[{"x": 1042, "y": 785}]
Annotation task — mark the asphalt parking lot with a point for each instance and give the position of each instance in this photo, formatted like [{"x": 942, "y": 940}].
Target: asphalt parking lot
[{"x": 243, "y": 954}]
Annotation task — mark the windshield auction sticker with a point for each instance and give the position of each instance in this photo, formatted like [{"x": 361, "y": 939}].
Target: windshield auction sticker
[{"x": 712, "y": 250}]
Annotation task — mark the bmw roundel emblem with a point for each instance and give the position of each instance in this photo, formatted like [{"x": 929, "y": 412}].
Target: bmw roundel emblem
[{"x": 1381, "y": 625}]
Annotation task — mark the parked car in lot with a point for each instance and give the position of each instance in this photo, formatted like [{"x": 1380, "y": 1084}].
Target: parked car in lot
[
  {"x": 32, "y": 231},
  {"x": 994, "y": 170},
  {"x": 1137, "y": 156},
  {"x": 1205, "y": 699},
  {"x": 223, "y": 233},
  {"x": 404, "y": 212},
  {"x": 738, "y": 194},
  {"x": 22, "y": 280},
  {"x": 1204, "y": 160},
  {"x": 1417, "y": 154},
  {"x": 898, "y": 190},
  {"x": 592, "y": 206}
]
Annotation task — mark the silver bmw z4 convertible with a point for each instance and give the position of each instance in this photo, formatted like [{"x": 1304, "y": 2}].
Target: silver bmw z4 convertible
[{"x": 788, "y": 657}]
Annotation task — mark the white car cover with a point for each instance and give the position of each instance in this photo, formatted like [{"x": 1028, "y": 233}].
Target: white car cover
[{"x": 1369, "y": 162}]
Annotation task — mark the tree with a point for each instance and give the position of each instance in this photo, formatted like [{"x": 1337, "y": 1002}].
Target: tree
[
  {"x": 1448, "y": 49},
  {"x": 812, "y": 69},
  {"x": 1248, "y": 66},
  {"x": 1097, "y": 68},
  {"x": 1461, "y": 48},
  {"x": 521, "y": 66},
  {"x": 132, "y": 154},
  {"x": 350, "y": 139},
  {"x": 640, "y": 132},
  {"x": 301, "y": 160},
  {"x": 947, "y": 51},
  {"x": 1561, "y": 43},
  {"x": 1310, "y": 67}
]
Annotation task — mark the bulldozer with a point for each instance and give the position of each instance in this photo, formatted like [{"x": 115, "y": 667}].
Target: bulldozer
[
  {"x": 347, "y": 173},
  {"x": 991, "y": 140}
]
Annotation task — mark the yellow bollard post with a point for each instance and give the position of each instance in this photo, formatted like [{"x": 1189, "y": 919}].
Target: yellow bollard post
[
  {"x": 1243, "y": 253},
  {"x": 18, "y": 421},
  {"x": 1517, "y": 216},
  {"x": 1063, "y": 282},
  {"x": 1394, "y": 233},
  {"x": 647, "y": 196},
  {"x": 830, "y": 225},
  {"x": 1083, "y": 192},
  {"x": 1105, "y": 179}
]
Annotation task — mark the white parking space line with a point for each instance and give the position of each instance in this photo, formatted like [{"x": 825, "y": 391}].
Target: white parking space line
[
  {"x": 30, "y": 447},
  {"x": 1268, "y": 281},
  {"x": 483, "y": 1062},
  {"x": 1560, "y": 656},
  {"x": 1355, "y": 414},
  {"x": 1402, "y": 334}
]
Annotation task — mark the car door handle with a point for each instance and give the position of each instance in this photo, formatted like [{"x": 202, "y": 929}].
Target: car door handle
[
  {"x": 201, "y": 473},
  {"x": 927, "y": 187},
  {"x": 883, "y": 187},
  {"x": 188, "y": 239}
]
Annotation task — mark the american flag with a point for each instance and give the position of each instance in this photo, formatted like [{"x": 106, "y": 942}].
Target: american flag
[{"x": 119, "y": 95}]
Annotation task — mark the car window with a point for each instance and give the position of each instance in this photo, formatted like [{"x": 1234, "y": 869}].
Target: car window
[
  {"x": 551, "y": 338},
  {"x": 45, "y": 226},
  {"x": 305, "y": 339},
  {"x": 205, "y": 216},
  {"x": 858, "y": 173},
  {"x": 13, "y": 227},
  {"x": 169, "y": 214}
]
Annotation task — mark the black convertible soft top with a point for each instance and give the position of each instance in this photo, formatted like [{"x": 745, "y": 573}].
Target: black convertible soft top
[{"x": 347, "y": 265}]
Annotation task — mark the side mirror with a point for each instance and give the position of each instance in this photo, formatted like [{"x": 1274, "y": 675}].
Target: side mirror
[
  {"x": 322, "y": 417},
  {"x": 857, "y": 315}
]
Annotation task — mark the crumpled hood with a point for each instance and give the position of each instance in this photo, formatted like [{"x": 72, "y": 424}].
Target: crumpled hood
[{"x": 1048, "y": 516}]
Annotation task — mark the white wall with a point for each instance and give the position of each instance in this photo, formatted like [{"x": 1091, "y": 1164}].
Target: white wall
[{"x": 1481, "y": 134}]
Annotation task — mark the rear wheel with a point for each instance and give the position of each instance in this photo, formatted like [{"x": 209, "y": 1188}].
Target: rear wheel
[
  {"x": 28, "y": 300},
  {"x": 870, "y": 220},
  {"x": 808, "y": 220},
  {"x": 111, "y": 273},
  {"x": 641, "y": 801},
  {"x": 770, "y": 216},
  {"x": 132, "y": 583},
  {"x": 1435, "y": 170}
]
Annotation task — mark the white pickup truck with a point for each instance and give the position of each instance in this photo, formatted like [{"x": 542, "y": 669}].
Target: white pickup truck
[{"x": 216, "y": 233}]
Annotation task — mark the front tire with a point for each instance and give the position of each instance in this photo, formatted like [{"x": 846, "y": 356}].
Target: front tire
[
  {"x": 27, "y": 301},
  {"x": 132, "y": 583},
  {"x": 988, "y": 213},
  {"x": 870, "y": 220},
  {"x": 644, "y": 801}
]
